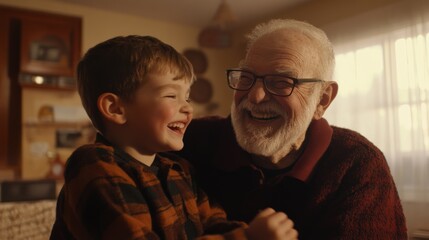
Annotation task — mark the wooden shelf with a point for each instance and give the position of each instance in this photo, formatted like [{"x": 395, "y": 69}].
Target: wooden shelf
[
  {"x": 29, "y": 80},
  {"x": 47, "y": 87},
  {"x": 58, "y": 124}
]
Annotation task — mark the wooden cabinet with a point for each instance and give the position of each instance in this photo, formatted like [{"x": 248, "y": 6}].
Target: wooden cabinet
[{"x": 37, "y": 49}]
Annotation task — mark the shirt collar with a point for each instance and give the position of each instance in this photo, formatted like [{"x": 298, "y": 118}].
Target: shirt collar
[{"x": 160, "y": 160}]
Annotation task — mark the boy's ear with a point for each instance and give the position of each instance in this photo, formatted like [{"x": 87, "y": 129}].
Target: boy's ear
[
  {"x": 111, "y": 107},
  {"x": 328, "y": 95}
]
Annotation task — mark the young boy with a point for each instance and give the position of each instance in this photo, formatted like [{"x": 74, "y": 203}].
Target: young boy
[{"x": 135, "y": 90}]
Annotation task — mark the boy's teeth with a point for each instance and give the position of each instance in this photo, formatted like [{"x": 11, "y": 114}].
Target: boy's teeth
[{"x": 176, "y": 125}]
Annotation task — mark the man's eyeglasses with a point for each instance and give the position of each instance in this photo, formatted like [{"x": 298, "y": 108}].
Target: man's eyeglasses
[{"x": 276, "y": 84}]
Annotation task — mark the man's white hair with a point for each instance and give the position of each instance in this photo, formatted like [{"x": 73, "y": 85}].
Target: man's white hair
[{"x": 316, "y": 35}]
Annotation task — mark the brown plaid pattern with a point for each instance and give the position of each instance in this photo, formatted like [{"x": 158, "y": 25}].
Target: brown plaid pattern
[{"x": 109, "y": 195}]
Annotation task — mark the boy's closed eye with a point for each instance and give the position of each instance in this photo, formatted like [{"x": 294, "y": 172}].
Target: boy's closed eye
[{"x": 188, "y": 99}]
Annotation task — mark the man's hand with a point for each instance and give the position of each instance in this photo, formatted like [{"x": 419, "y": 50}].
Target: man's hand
[{"x": 271, "y": 225}]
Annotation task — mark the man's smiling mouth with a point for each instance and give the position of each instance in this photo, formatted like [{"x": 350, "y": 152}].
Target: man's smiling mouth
[{"x": 263, "y": 116}]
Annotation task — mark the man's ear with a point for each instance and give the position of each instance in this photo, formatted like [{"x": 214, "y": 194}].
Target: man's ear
[
  {"x": 111, "y": 107},
  {"x": 328, "y": 95}
]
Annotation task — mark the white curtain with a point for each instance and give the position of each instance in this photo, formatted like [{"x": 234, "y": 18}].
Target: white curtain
[{"x": 383, "y": 76}]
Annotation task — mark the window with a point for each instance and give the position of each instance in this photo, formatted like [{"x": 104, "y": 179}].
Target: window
[{"x": 384, "y": 95}]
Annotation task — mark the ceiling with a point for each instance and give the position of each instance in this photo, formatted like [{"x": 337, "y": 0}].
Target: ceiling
[{"x": 197, "y": 13}]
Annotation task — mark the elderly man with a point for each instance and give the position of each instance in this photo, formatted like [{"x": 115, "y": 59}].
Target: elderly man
[{"x": 276, "y": 149}]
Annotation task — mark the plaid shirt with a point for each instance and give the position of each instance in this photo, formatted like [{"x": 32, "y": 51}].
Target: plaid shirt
[{"x": 109, "y": 195}]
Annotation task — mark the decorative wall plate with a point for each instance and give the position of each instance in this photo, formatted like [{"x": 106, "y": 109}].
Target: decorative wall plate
[
  {"x": 198, "y": 60},
  {"x": 201, "y": 91}
]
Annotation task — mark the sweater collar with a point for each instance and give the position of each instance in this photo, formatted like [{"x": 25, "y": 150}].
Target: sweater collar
[
  {"x": 318, "y": 138},
  {"x": 319, "y": 135}
]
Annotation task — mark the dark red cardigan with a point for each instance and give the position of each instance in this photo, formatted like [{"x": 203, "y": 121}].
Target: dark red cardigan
[{"x": 340, "y": 188}]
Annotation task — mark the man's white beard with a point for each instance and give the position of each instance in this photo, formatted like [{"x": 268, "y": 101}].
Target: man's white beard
[{"x": 270, "y": 141}]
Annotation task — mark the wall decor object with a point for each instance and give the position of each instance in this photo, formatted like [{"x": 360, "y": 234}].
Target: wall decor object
[
  {"x": 49, "y": 49},
  {"x": 201, "y": 91},
  {"x": 45, "y": 114},
  {"x": 198, "y": 60},
  {"x": 218, "y": 33},
  {"x": 68, "y": 138},
  {"x": 46, "y": 48},
  {"x": 56, "y": 166}
]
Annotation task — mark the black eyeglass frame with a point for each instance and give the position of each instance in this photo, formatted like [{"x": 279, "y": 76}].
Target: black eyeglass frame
[{"x": 296, "y": 81}]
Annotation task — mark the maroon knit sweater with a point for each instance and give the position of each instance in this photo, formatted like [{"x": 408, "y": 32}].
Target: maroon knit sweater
[{"x": 340, "y": 187}]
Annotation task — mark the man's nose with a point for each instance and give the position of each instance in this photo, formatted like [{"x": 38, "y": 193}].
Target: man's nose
[{"x": 258, "y": 93}]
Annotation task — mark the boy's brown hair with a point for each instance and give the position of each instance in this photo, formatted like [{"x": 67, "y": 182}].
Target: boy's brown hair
[{"x": 120, "y": 64}]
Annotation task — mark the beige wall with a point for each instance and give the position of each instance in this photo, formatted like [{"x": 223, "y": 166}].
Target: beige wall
[{"x": 319, "y": 13}]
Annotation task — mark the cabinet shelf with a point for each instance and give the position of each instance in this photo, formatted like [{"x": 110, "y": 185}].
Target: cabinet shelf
[
  {"x": 58, "y": 124},
  {"x": 28, "y": 80},
  {"x": 47, "y": 87}
]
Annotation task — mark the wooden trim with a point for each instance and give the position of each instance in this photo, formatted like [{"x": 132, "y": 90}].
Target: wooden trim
[
  {"x": 4, "y": 89},
  {"x": 11, "y": 21}
]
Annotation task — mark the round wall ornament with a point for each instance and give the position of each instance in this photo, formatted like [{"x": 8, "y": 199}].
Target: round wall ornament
[
  {"x": 198, "y": 60},
  {"x": 201, "y": 91}
]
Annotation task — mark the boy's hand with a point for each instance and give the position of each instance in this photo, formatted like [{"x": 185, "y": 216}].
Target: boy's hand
[{"x": 271, "y": 225}]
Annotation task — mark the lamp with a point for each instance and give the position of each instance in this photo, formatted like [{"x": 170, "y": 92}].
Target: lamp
[{"x": 217, "y": 34}]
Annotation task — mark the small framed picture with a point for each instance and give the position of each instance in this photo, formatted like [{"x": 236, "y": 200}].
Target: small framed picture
[
  {"x": 68, "y": 138},
  {"x": 47, "y": 48},
  {"x": 75, "y": 137}
]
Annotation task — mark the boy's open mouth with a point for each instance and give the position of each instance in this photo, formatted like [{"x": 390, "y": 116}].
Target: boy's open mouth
[{"x": 178, "y": 127}]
